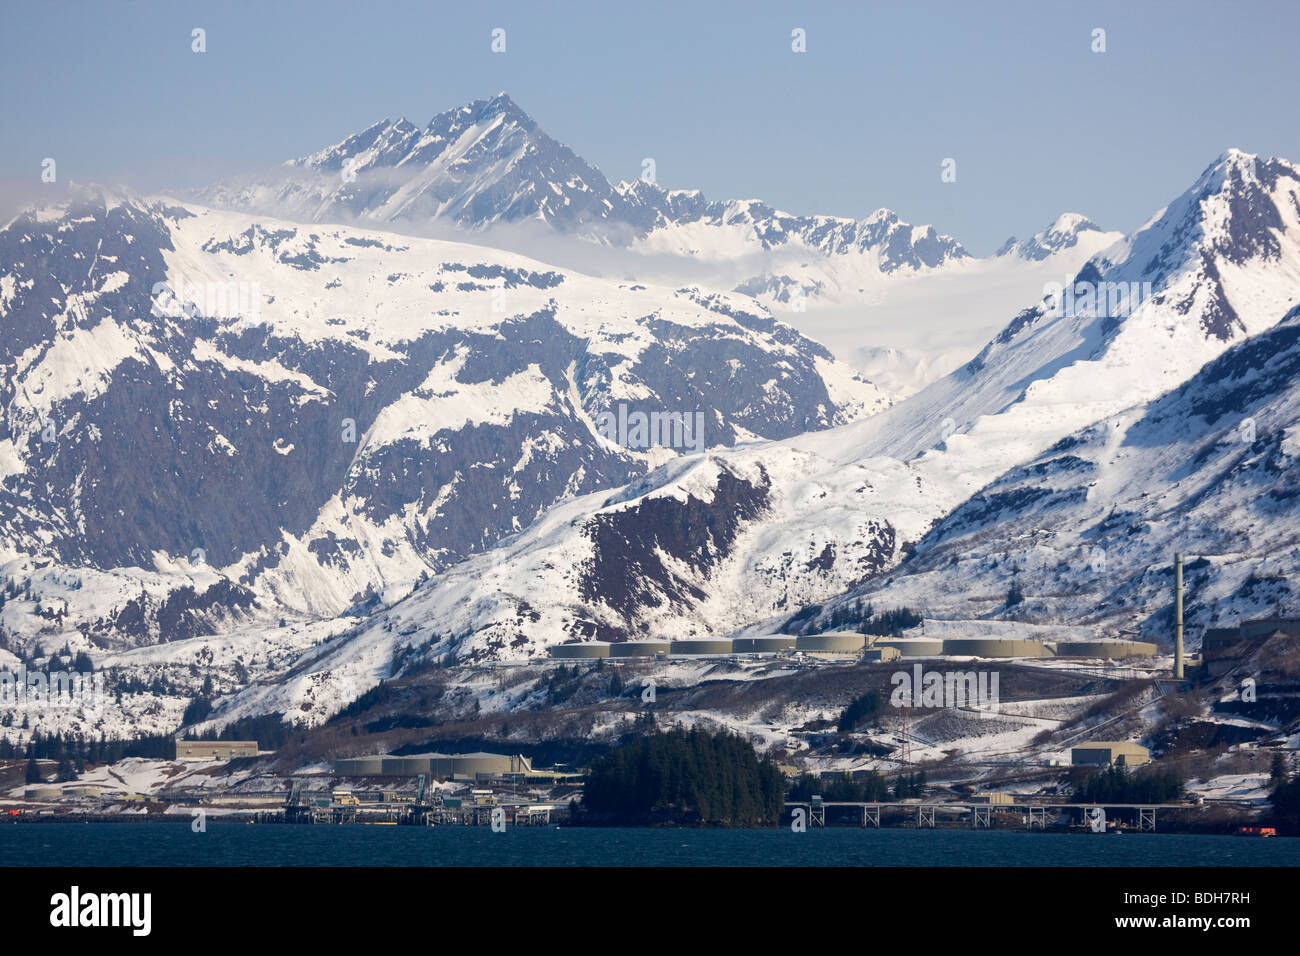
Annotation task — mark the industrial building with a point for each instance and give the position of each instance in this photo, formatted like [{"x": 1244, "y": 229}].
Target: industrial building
[
  {"x": 215, "y": 749},
  {"x": 1223, "y": 647},
  {"x": 1103, "y": 753},
  {"x": 993, "y": 798}
]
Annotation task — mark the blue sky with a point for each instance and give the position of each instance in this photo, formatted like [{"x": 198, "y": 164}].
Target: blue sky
[{"x": 1037, "y": 122}]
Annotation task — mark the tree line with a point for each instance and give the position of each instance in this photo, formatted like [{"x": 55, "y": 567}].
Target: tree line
[
  {"x": 857, "y": 616},
  {"x": 74, "y": 752},
  {"x": 863, "y": 788},
  {"x": 1117, "y": 785},
  {"x": 689, "y": 777}
]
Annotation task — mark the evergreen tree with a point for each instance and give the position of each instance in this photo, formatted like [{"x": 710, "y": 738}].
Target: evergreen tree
[
  {"x": 859, "y": 709},
  {"x": 1285, "y": 798},
  {"x": 1277, "y": 770},
  {"x": 684, "y": 776}
]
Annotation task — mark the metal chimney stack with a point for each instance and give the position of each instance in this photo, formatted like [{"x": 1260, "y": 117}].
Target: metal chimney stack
[{"x": 1178, "y": 617}]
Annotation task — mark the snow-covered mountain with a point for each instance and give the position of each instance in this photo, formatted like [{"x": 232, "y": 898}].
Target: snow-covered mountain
[
  {"x": 385, "y": 414},
  {"x": 489, "y": 163},
  {"x": 740, "y": 539},
  {"x": 686, "y": 224},
  {"x": 478, "y": 165},
  {"x": 901, "y": 302},
  {"x": 326, "y": 414},
  {"x": 1064, "y": 233},
  {"x": 908, "y": 328},
  {"x": 1087, "y": 530}
]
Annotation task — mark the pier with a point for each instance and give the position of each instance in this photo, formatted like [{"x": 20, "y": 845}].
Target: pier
[{"x": 1034, "y": 815}]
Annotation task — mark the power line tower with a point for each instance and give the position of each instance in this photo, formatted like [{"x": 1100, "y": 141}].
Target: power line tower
[{"x": 907, "y": 737}]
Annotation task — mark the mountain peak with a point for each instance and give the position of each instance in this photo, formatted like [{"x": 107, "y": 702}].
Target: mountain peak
[
  {"x": 1232, "y": 165},
  {"x": 1236, "y": 157},
  {"x": 1241, "y": 207},
  {"x": 1063, "y": 233},
  {"x": 496, "y": 106},
  {"x": 1238, "y": 171}
]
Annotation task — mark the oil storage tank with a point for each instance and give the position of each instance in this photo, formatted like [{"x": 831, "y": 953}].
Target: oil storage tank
[
  {"x": 767, "y": 644},
  {"x": 832, "y": 642},
  {"x": 442, "y": 765},
  {"x": 469, "y": 766},
  {"x": 994, "y": 647},
  {"x": 639, "y": 648},
  {"x": 392, "y": 766},
  {"x": 911, "y": 646},
  {"x": 719, "y": 645},
  {"x": 359, "y": 766},
  {"x": 1112, "y": 650},
  {"x": 413, "y": 764},
  {"x": 587, "y": 650}
]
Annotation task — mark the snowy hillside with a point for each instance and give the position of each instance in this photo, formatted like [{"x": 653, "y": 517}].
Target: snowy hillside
[
  {"x": 901, "y": 303},
  {"x": 904, "y": 330},
  {"x": 325, "y": 414},
  {"x": 384, "y": 415},
  {"x": 1088, "y": 529},
  {"x": 489, "y": 163},
  {"x": 745, "y": 537},
  {"x": 484, "y": 163}
]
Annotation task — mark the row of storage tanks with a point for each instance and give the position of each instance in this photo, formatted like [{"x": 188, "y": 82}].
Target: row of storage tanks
[
  {"x": 844, "y": 642},
  {"x": 446, "y": 766}
]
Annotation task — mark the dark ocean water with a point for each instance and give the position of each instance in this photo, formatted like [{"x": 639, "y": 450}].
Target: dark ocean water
[{"x": 161, "y": 844}]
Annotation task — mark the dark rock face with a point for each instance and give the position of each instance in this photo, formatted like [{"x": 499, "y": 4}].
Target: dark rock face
[
  {"x": 627, "y": 573},
  {"x": 182, "y": 614}
]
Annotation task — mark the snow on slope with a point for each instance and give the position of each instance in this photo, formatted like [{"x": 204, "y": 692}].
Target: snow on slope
[
  {"x": 471, "y": 381},
  {"x": 905, "y": 330},
  {"x": 1089, "y": 528},
  {"x": 480, "y": 164},
  {"x": 489, "y": 171},
  {"x": 898, "y": 302},
  {"x": 747, "y": 535}
]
